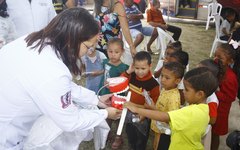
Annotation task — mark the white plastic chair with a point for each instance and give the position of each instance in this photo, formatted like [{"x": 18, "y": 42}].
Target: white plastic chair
[
  {"x": 214, "y": 9},
  {"x": 218, "y": 23},
  {"x": 162, "y": 41}
]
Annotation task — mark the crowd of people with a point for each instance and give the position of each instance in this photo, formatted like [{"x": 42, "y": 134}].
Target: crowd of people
[{"x": 42, "y": 46}]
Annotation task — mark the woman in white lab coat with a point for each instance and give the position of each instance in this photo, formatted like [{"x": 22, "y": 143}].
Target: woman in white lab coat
[{"x": 36, "y": 79}]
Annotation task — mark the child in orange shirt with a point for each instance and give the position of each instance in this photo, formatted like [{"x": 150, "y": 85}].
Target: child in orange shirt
[{"x": 155, "y": 19}]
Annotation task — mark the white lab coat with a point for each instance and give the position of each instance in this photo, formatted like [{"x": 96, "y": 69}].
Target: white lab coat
[
  {"x": 29, "y": 17},
  {"x": 33, "y": 84},
  {"x": 7, "y": 31}
]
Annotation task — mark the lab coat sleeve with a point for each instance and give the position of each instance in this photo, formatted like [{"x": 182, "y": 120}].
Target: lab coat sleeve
[
  {"x": 54, "y": 98},
  {"x": 83, "y": 95},
  {"x": 51, "y": 11}
]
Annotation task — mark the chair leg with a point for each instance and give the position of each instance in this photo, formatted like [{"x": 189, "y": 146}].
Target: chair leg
[
  {"x": 213, "y": 48},
  {"x": 207, "y": 25}
]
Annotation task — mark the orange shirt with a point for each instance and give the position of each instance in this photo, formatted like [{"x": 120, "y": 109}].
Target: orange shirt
[
  {"x": 137, "y": 85},
  {"x": 155, "y": 16}
]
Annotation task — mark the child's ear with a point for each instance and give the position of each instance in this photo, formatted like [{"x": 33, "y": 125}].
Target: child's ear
[
  {"x": 201, "y": 94},
  {"x": 177, "y": 81}
]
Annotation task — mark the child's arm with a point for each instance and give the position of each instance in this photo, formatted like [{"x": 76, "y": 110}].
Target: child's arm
[
  {"x": 157, "y": 73},
  {"x": 225, "y": 32},
  {"x": 135, "y": 17},
  {"x": 152, "y": 114},
  {"x": 160, "y": 25}
]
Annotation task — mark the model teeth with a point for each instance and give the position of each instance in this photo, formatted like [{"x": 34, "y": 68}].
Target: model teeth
[
  {"x": 118, "y": 102},
  {"x": 125, "y": 90},
  {"x": 119, "y": 96}
]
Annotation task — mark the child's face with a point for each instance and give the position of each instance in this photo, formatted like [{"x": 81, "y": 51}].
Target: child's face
[
  {"x": 222, "y": 56},
  {"x": 168, "y": 79},
  {"x": 141, "y": 68},
  {"x": 190, "y": 95},
  {"x": 114, "y": 52},
  {"x": 168, "y": 52},
  {"x": 157, "y": 5},
  {"x": 231, "y": 18}
]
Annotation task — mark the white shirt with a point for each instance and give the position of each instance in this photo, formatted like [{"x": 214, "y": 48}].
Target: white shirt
[
  {"x": 32, "y": 84},
  {"x": 7, "y": 31},
  {"x": 225, "y": 25},
  {"x": 29, "y": 17}
]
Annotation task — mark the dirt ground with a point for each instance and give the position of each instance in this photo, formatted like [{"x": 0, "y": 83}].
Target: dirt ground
[{"x": 197, "y": 42}]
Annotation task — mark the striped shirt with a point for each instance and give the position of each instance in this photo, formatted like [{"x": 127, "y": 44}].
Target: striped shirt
[{"x": 133, "y": 24}]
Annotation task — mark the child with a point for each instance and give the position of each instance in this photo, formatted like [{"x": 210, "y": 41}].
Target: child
[
  {"x": 136, "y": 29},
  {"x": 212, "y": 100},
  {"x": 227, "y": 25},
  {"x": 155, "y": 19},
  {"x": 92, "y": 64},
  {"x": 140, "y": 79},
  {"x": 7, "y": 28},
  {"x": 169, "y": 99},
  {"x": 113, "y": 68},
  {"x": 187, "y": 124},
  {"x": 171, "y": 48},
  {"x": 226, "y": 94}
]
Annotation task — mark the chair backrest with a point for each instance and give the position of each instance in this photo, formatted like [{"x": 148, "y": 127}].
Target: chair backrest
[
  {"x": 164, "y": 38},
  {"x": 218, "y": 22},
  {"x": 214, "y": 8}
]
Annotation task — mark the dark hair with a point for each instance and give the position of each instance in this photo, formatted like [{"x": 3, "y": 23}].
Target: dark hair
[
  {"x": 3, "y": 9},
  {"x": 143, "y": 55},
  {"x": 177, "y": 46},
  {"x": 214, "y": 67},
  {"x": 201, "y": 79},
  {"x": 64, "y": 34},
  {"x": 228, "y": 50},
  {"x": 98, "y": 5},
  {"x": 176, "y": 68},
  {"x": 181, "y": 56},
  {"x": 233, "y": 140},
  {"x": 154, "y": 2},
  {"x": 117, "y": 41}
]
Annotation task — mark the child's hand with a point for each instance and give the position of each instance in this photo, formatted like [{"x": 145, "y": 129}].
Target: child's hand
[
  {"x": 152, "y": 106},
  {"x": 131, "y": 106},
  {"x": 130, "y": 69}
]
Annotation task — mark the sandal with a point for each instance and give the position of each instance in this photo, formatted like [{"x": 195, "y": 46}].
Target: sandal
[{"x": 117, "y": 143}]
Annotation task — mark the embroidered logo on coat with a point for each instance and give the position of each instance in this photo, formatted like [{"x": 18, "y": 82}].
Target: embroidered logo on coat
[{"x": 66, "y": 100}]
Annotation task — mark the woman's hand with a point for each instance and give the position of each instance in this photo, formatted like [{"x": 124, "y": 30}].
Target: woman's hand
[
  {"x": 113, "y": 113},
  {"x": 105, "y": 101}
]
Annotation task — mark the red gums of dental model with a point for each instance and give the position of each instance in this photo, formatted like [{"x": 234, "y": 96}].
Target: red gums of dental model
[
  {"x": 117, "y": 102},
  {"x": 117, "y": 84}
]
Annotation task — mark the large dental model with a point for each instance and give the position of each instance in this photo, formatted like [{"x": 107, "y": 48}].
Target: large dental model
[{"x": 118, "y": 86}]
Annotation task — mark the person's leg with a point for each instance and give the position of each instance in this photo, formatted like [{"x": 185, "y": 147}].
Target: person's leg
[
  {"x": 137, "y": 35},
  {"x": 131, "y": 135},
  {"x": 118, "y": 141},
  {"x": 150, "y": 31},
  {"x": 156, "y": 140},
  {"x": 215, "y": 142},
  {"x": 142, "y": 136},
  {"x": 176, "y": 32},
  {"x": 164, "y": 142}
]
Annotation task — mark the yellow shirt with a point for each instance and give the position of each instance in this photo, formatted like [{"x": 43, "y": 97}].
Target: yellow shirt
[
  {"x": 188, "y": 125},
  {"x": 167, "y": 101}
]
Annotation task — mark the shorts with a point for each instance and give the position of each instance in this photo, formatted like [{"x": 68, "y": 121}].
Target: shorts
[{"x": 147, "y": 31}]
